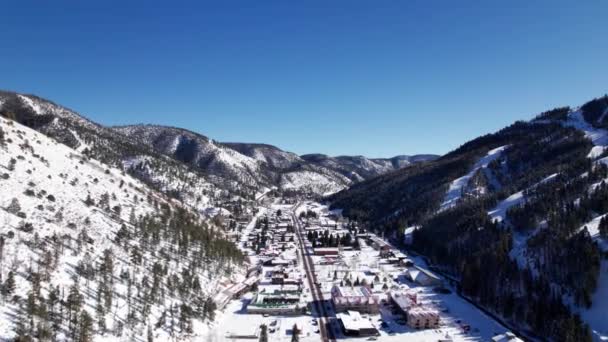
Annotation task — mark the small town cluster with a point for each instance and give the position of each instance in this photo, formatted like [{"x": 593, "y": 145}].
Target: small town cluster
[{"x": 314, "y": 275}]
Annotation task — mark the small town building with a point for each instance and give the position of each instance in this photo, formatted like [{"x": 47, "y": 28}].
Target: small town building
[
  {"x": 423, "y": 318},
  {"x": 244, "y": 332},
  {"x": 381, "y": 246},
  {"x": 357, "y": 298},
  {"x": 506, "y": 337},
  {"x": 285, "y": 300},
  {"x": 353, "y": 324},
  {"x": 326, "y": 251},
  {"x": 416, "y": 315},
  {"x": 422, "y": 276}
]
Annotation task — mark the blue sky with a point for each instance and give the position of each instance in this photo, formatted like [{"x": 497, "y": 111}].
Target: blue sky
[{"x": 377, "y": 78}]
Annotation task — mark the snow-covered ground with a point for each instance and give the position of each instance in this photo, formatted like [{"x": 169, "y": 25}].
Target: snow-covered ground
[
  {"x": 311, "y": 181},
  {"x": 50, "y": 183},
  {"x": 499, "y": 213},
  {"x": 598, "y": 136}
]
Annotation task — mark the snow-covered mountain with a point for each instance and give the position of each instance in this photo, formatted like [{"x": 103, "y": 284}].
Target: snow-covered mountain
[
  {"x": 358, "y": 168},
  {"x": 83, "y": 243},
  {"x": 189, "y": 165},
  {"x": 516, "y": 217},
  {"x": 200, "y": 152},
  {"x": 101, "y": 143},
  {"x": 273, "y": 156}
]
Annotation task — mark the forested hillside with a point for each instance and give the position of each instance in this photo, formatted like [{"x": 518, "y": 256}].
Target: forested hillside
[
  {"x": 515, "y": 216},
  {"x": 88, "y": 251}
]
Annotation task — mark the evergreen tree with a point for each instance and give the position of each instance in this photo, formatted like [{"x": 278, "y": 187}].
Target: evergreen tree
[
  {"x": 85, "y": 329},
  {"x": 295, "y": 333},
  {"x": 9, "y": 285},
  {"x": 263, "y": 333},
  {"x": 14, "y": 207}
]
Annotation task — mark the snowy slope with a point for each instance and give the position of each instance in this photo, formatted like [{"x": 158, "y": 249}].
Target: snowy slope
[
  {"x": 598, "y": 136},
  {"x": 310, "y": 182},
  {"x": 101, "y": 143},
  {"x": 457, "y": 186},
  {"x": 52, "y": 232},
  {"x": 198, "y": 151},
  {"x": 271, "y": 155}
]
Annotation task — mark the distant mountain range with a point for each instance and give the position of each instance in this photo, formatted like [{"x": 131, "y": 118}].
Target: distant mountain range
[{"x": 243, "y": 168}]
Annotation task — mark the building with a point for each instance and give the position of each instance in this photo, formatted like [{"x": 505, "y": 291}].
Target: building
[
  {"x": 423, "y": 276},
  {"x": 353, "y": 324},
  {"x": 285, "y": 300},
  {"x": 381, "y": 246},
  {"x": 244, "y": 332},
  {"x": 403, "y": 301},
  {"x": 222, "y": 298},
  {"x": 416, "y": 315},
  {"x": 358, "y": 298},
  {"x": 422, "y": 318},
  {"x": 506, "y": 337},
  {"x": 408, "y": 235},
  {"x": 326, "y": 251}
]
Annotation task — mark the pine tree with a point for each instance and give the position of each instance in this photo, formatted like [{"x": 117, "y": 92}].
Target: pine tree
[
  {"x": 89, "y": 201},
  {"x": 85, "y": 331},
  {"x": 210, "y": 307},
  {"x": 603, "y": 227},
  {"x": 74, "y": 303},
  {"x": 150, "y": 337},
  {"x": 14, "y": 207},
  {"x": 9, "y": 285},
  {"x": 295, "y": 333},
  {"x": 263, "y": 333}
]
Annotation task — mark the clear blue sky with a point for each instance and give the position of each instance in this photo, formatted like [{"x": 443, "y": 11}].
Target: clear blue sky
[{"x": 377, "y": 78}]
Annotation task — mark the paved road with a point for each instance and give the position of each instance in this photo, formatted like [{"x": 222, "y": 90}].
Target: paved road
[{"x": 317, "y": 297}]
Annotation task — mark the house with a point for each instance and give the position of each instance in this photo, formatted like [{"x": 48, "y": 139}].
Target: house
[
  {"x": 326, "y": 251},
  {"x": 353, "y": 324},
  {"x": 422, "y": 276},
  {"x": 358, "y": 298}
]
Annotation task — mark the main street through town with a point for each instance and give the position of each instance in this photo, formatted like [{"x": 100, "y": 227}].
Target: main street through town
[{"x": 321, "y": 307}]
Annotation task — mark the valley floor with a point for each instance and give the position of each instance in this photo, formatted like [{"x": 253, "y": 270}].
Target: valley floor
[{"x": 459, "y": 320}]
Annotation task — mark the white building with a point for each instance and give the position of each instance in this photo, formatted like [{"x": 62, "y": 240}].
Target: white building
[
  {"x": 353, "y": 324},
  {"x": 423, "y": 276},
  {"x": 506, "y": 337}
]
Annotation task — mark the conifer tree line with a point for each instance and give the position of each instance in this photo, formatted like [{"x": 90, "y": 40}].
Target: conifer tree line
[{"x": 525, "y": 282}]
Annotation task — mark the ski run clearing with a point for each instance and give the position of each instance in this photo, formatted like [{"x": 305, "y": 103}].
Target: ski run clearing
[{"x": 458, "y": 185}]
